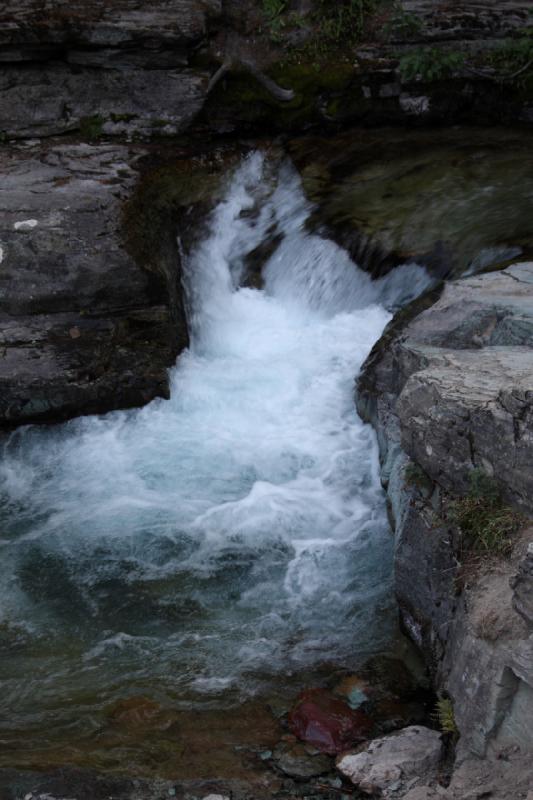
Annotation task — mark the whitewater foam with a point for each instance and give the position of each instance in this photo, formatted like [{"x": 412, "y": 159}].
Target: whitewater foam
[{"x": 237, "y": 530}]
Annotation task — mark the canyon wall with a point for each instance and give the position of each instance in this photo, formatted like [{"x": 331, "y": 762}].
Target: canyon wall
[{"x": 449, "y": 391}]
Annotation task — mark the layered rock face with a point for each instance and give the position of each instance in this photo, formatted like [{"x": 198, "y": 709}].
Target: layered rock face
[
  {"x": 83, "y": 328},
  {"x": 92, "y": 73},
  {"x": 450, "y": 390},
  {"x": 144, "y": 70},
  {"x": 101, "y": 68}
]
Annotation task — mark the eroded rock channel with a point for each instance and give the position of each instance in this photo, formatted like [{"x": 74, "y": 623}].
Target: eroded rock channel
[
  {"x": 266, "y": 404},
  {"x": 165, "y": 568}
]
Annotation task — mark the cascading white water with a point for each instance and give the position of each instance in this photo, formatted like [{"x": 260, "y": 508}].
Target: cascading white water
[{"x": 238, "y": 531}]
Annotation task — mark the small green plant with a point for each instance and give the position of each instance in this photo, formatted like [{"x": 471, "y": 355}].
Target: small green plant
[
  {"x": 445, "y": 717},
  {"x": 3, "y": 137},
  {"x": 273, "y": 11},
  {"x": 274, "y": 8},
  {"x": 337, "y": 27},
  {"x": 91, "y": 127},
  {"x": 402, "y": 24},
  {"x": 430, "y": 64},
  {"x": 415, "y": 476},
  {"x": 514, "y": 59},
  {"x": 488, "y": 525},
  {"x": 344, "y": 20}
]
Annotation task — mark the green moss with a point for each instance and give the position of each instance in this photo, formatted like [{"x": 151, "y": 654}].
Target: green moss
[
  {"x": 415, "y": 476},
  {"x": 91, "y": 127},
  {"x": 402, "y": 24},
  {"x": 338, "y": 27},
  {"x": 513, "y": 60},
  {"x": 161, "y": 196},
  {"x": 430, "y": 64},
  {"x": 242, "y": 99},
  {"x": 123, "y": 117},
  {"x": 274, "y": 15}
]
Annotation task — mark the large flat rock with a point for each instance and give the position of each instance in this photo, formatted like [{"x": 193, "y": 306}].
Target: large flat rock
[
  {"x": 30, "y": 23},
  {"x": 53, "y": 98},
  {"x": 470, "y": 405},
  {"x": 455, "y": 385}
]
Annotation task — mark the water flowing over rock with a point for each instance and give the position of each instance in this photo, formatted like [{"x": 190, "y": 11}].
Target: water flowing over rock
[{"x": 197, "y": 547}]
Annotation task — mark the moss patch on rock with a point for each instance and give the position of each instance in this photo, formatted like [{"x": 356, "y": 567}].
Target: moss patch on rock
[
  {"x": 163, "y": 194},
  {"x": 241, "y": 102}
]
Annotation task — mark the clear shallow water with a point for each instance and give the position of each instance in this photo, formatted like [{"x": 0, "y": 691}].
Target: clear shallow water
[{"x": 198, "y": 549}]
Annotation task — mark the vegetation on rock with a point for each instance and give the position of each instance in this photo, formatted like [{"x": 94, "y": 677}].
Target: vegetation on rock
[
  {"x": 91, "y": 127},
  {"x": 430, "y": 64},
  {"x": 445, "y": 716},
  {"x": 487, "y": 523}
]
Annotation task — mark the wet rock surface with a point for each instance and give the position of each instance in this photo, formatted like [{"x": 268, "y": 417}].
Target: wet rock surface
[
  {"x": 84, "y": 328},
  {"x": 467, "y": 360},
  {"x": 300, "y": 761},
  {"x": 522, "y": 585},
  {"x": 328, "y": 723}
]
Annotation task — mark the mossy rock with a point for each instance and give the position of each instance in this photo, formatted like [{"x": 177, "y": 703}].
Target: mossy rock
[
  {"x": 241, "y": 102},
  {"x": 162, "y": 196}
]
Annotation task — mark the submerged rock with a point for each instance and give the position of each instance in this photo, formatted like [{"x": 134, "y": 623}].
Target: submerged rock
[
  {"x": 446, "y": 199},
  {"x": 326, "y": 722},
  {"x": 141, "y": 712},
  {"x": 410, "y": 753},
  {"x": 300, "y": 761}
]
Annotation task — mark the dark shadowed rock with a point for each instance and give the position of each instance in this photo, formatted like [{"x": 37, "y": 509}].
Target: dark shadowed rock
[
  {"x": 54, "y": 98},
  {"x": 446, "y": 199},
  {"x": 84, "y": 328},
  {"x": 522, "y": 584}
]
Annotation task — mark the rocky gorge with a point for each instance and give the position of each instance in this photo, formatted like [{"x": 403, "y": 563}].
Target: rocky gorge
[{"x": 118, "y": 125}]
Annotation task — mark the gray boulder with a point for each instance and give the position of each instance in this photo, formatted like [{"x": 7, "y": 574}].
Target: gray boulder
[{"x": 385, "y": 763}]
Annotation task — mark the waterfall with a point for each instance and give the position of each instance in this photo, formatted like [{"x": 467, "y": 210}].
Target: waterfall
[{"x": 204, "y": 545}]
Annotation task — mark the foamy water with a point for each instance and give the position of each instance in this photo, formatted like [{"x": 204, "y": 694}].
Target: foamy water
[{"x": 232, "y": 534}]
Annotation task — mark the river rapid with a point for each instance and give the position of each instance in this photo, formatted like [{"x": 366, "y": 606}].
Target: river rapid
[{"x": 214, "y": 547}]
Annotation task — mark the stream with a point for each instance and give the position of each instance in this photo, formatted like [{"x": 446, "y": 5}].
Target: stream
[{"x": 218, "y": 547}]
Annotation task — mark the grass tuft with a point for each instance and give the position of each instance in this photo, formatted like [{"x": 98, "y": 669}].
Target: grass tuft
[
  {"x": 444, "y": 716},
  {"x": 488, "y": 525}
]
